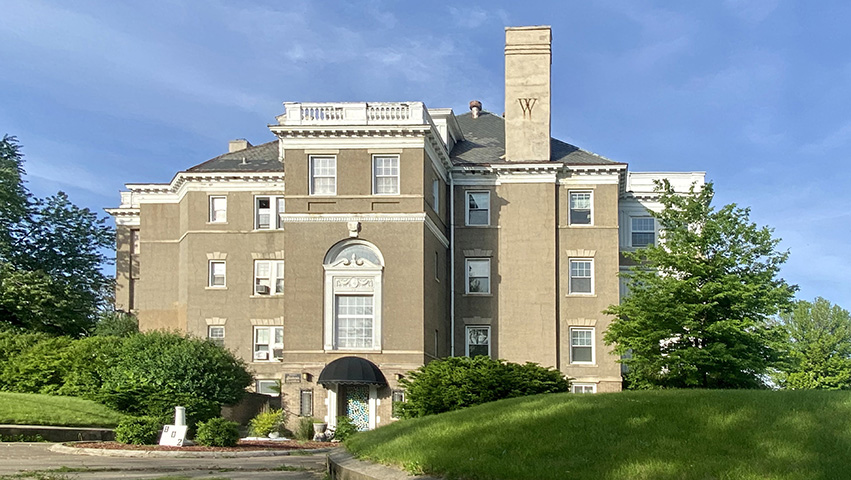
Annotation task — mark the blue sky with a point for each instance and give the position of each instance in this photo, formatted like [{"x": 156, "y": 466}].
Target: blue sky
[{"x": 754, "y": 92}]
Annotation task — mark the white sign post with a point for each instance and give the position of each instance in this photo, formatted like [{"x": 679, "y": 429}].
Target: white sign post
[{"x": 175, "y": 435}]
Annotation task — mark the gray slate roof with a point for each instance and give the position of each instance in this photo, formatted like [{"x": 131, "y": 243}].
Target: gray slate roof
[
  {"x": 258, "y": 158},
  {"x": 484, "y": 144}
]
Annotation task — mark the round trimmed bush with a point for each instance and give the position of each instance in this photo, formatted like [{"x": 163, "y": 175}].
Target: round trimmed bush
[
  {"x": 217, "y": 432},
  {"x": 139, "y": 430}
]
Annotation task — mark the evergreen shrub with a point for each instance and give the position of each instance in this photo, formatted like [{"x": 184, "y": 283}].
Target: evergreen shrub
[
  {"x": 459, "y": 382},
  {"x": 217, "y": 432},
  {"x": 139, "y": 430}
]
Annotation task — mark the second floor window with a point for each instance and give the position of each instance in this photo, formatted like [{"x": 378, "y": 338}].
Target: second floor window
[
  {"x": 478, "y": 276},
  {"x": 478, "y": 208},
  {"x": 581, "y": 276},
  {"x": 216, "y": 334},
  {"x": 323, "y": 175},
  {"x": 218, "y": 209},
  {"x": 268, "y": 277},
  {"x": 266, "y": 212},
  {"x": 580, "y": 208},
  {"x": 385, "y": 175}
]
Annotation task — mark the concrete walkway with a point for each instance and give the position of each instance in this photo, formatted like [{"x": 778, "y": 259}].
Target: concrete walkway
[{"x": 17, "y": 458}]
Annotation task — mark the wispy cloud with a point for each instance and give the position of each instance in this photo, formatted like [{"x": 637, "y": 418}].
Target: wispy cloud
[
  {"x": 752, "y": 11},
  {"x": 840, "y": 137}
]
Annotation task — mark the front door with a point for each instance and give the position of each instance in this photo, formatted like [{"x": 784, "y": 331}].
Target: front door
[{"x": 356, "y": 405}]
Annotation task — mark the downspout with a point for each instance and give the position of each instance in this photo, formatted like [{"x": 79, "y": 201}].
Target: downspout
[
  {"x": 558, "y": 278},
  {"x": 451, "y": 264}
]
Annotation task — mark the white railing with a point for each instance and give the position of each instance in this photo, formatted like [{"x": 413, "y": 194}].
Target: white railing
[{"x": 355, "y": 113}]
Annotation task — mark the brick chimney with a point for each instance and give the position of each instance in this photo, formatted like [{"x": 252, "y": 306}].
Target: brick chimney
[{"x": 528, "y": 59}]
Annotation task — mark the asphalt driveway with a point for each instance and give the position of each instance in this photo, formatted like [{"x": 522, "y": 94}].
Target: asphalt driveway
[{"x": 17, "y": 458}]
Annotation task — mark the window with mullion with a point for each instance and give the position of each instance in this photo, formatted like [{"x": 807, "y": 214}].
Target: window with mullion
[
  {"x": 217, "y": 274},
  {"x": 216, "y": 334},
  {"x": 478, "y": 208},
  {"x": 354, "y": 322},
  {"x": 580, "y": 208},
  {"x": 478, "y": 276},
  {"x": 385, "y": 175},
  {"x": 218, "y": 209},
  {"x": 323, "y": 176},
  {"x": 268, "y": 277},
  {"x": 643, "y": 231},
  {"x": 268, "y": 343},
  {"x": 581, "y": 345},
  {"x": 581, "y": 277}
]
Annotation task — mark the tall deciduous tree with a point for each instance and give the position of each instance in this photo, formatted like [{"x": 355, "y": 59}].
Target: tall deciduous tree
[
  {"x": 51, "y": 252},
  {"x": 819, "y": 348},
  {"x": 699, "y": 305}
]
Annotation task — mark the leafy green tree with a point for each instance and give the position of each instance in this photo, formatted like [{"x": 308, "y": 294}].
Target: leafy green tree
[
  {"x": 51, "y": 254},
  {"x": 819, "y": 348},
  {"x": 700, "y": 302}
]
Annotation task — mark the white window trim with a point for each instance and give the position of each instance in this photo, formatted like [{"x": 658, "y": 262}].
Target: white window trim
[
  {"x": 583, "y": 384},
  {"x": 274, "y": 211},
  {"x": 217, "y": 340},
  {"x": 467, "y": 338},
  {"x": 312, "y": 177},
  {"x": 655, "y": 230},
  {"x": 210, "y": 264},
  {"x": 435, "y": 195},
  {"x": 467, "y": 208},
  {"x": 272, "y": 345},
  {"x": 211, "y": 213},
  {"x": 272, "y": 278},
  {"x": 347, "y": 277},
  {"x": 593, "y": 345},
  {"x": 590, "y": 213},
  {"x": 301, "y": 392},
  {"x": 398, "y": 175},
  {"x": 570, "y": 276},
  {"x": 467, "y": 276},
  {"x": 265, "y": 380}
]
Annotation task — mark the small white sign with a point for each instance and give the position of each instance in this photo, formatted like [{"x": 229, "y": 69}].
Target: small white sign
[{"x": 173, "y": 435}]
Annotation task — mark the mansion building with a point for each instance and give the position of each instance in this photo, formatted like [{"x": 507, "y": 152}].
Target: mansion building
[{"x": 367, "y": 239}]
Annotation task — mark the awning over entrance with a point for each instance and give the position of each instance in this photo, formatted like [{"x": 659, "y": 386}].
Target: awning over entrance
[{"x": 351, "y": 371}]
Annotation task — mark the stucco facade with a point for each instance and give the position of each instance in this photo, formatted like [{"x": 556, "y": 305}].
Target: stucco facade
[{"x": 395, "y": 234}]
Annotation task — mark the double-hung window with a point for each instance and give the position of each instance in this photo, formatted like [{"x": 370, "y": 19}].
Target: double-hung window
[
  {"x": 218, "y": 209},
  {"x": 355, "y": 318},
  {"x": 582, "y": 345},
  {"x": 268, "y": 277},
  {"x": 323, "y": 175},
  {"x": 643, "y": 231},
  {"x": 217, "y": 271},
  {"x": 581, "y": 276},
  {"x": 435, "y": 195},
  {"x": 478, "y": 273},
  {"x": 385, "y": 174},
  {"x": 268, "y": 343},
  {"x": 216, "y": 334},
  {"x": 580, "y": 208},
  {"x": 266, "y": 210},
  {"x": 478, "y": 341},
  {"x": 305, "y": 403},
  {"x": 478, "y": 208}
]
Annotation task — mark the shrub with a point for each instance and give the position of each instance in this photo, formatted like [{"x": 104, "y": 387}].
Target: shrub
[
  {"x": 40, "y": 368},
  {"x": 139, "y": 430},
  {"x": 89, "y": 360},
  {"x": 345, "y": 428},
  {"x": 459, "y": 382},
  {"x": 158, "y": 370},
  {"x": 267, "y": 422},
  {"x": 217, "y": 432},
  {"x": 12, "y": 344},
  {"x": 305, "y": 428}
]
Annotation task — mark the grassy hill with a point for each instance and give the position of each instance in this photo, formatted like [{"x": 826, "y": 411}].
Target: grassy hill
[
  {"x": 32, "y": 409},
  {"x": 659, "y": 435}
]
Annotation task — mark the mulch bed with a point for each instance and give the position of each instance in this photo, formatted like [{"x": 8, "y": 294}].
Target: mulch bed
[{"x": 242, "y": 446}]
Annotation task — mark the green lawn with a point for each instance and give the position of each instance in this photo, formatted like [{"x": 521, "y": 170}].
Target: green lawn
[
  {"x": 32, "y": 409},
  {"x": 658, "y": 435}
]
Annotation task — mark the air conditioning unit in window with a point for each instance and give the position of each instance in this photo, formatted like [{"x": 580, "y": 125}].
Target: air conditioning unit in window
[
  {"x": 262, "y": 289},
  {"x": 261, "y": 355}
]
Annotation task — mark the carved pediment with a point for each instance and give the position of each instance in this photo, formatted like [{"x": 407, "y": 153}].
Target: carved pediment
[{"x": 354, "y": 284}]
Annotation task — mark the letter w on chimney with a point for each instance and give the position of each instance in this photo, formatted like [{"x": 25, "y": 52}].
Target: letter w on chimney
[{"x": 526, "y": 104}]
